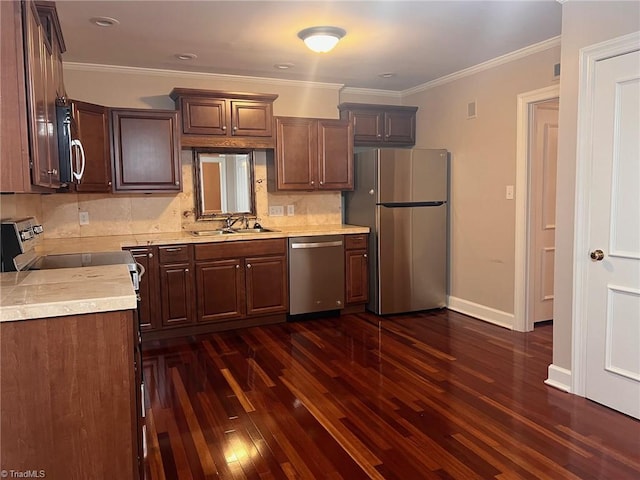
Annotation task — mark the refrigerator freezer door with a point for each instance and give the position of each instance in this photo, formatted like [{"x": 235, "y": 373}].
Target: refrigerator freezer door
[
  {"x": 417, "y": 175},
  {"x": 412, "y": 259}
]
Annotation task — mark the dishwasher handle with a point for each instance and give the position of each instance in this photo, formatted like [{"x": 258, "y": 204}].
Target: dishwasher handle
[{"x": 337, "y": 243}]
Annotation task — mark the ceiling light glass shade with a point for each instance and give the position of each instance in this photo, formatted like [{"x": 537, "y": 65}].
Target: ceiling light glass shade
[{"x": 321, "y": 39}]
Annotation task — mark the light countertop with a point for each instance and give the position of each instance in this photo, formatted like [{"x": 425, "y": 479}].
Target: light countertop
[
  {"x": 74, "y": 291},
  {"x": 68, "y": 291},
  {"x": 117, "y": 242}
]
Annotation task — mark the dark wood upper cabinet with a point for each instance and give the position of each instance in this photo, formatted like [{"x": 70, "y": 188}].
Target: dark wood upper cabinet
[
  {"x": 43, "y": 79},
  {"x": 212, "y": 118},
  {"x": 381, "y": 125},
  {"x": 146, "y": 150},
  {"x": 312, "y": 154},
  {"x": 90, "y": 125}
]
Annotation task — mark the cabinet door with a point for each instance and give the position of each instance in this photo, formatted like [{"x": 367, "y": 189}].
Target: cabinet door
[
  {"x": 357, "y": 276},
  {"x": 335, "y": 155},
  {"x": 400, "y": 127},
  {"x": 41, "y": 100},
  {"x": 91, "y": 125},
  {"x": 367, "y": 126},
  {"x": 251, "y": 119},
  {"x": 149, "y": 296},
  {"x": 146, "y": 151},
  {"x": 266, "y": 279},
  {"x": 220, "y": 290},
  {"x": 176, "y": 293},
  {"x": 204, "y": 116},
  {"x": 296, "y": 157}
]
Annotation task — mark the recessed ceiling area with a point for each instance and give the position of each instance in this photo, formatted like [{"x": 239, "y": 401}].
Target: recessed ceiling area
[{"x": 418, "y": 41}]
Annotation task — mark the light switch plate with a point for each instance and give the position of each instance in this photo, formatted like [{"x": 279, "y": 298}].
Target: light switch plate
[
  {"x": 84, "y": 218},
  {"x": 509, "y": 192},
  {"x": 290, "y": 210}
]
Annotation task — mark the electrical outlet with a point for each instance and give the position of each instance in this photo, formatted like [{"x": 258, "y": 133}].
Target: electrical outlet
[
  {"x": 84, "y": 218},
  {"x": 290, "y": 210},
  {"x": 509, "y": 192},
  {"x": 276, "y": 211}
]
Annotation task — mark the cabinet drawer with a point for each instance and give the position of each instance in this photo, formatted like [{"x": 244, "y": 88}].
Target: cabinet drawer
[
  {"x": 353, "y": 242},
  {"x": 173, "y": 254},
  {"x": 216, "y": 251}
]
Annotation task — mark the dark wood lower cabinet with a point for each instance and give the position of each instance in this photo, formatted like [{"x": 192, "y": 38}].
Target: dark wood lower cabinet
[
  {"x": 69, "y": 387},
  {"x": 356, "y": 269},
  {"x": 176, "y": 294},
  {"x": 266, "y": 282},
  {"x": 148, "y": 291},
  {"x": 220, "y": 290}
]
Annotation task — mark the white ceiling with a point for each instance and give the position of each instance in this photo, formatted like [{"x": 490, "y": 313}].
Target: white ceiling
[{"x": 419, "y": 41}]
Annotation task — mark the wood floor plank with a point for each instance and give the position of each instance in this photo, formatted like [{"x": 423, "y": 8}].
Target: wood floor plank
[{"x": 430, "y": 395}]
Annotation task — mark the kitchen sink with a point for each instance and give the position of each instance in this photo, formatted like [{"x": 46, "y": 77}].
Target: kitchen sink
[
  {"x": 253, "y": 230},
  {"x": 210, "y": 233}
]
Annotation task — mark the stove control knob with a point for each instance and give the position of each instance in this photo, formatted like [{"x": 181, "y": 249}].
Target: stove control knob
[{"x": 38, "y": 229}]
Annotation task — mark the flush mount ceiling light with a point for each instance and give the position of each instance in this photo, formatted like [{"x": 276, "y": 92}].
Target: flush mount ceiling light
[
  {"x": 321, "y": 39},
  {"x": 283, "y": 66},
  {"x": 186, "y": 56},
  {"x": 386, "y": 75},
  {"x": 104, "y": 21}
]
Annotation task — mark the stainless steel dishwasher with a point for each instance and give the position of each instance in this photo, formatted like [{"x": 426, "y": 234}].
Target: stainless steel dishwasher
[{"x": 316, "y": 274}]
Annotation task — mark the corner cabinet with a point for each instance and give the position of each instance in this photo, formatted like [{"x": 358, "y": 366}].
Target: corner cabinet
[
  {"x": 381, "y": 125},
  {"x": 212, "y": 118},
  {"x": 146, "y": 151},
  {"x": 311, "y": 154}
]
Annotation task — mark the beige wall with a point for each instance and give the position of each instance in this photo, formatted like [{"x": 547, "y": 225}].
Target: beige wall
[
  {"x": 483, "y": 160},
  {"x": 126, "y": 214},
  {"x": 583, "y": 24}
]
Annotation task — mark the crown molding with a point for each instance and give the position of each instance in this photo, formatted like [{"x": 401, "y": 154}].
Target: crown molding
[
  {"x": 509, "y": 57},
  {"x": 372, "y": 91},
  {"x": 157, "y": 72}
]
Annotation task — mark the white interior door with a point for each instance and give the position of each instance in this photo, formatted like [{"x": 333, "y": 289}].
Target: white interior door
[
  {"x": 543, "y": 166},
  {"x": 612, "y": 305}
]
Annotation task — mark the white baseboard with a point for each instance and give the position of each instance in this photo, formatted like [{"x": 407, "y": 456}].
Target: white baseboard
[
  {"x": 559, "y": 378},
  {"x": 482, "y": 312}
]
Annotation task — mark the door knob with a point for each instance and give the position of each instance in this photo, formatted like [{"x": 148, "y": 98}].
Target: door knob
[{"x": 597, "y": 255}]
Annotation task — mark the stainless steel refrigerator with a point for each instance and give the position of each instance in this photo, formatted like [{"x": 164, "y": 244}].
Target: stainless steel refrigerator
[{"x": 402, "y": 196}]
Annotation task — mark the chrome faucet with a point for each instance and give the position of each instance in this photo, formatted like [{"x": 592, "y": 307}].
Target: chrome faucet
[{"x": 230, "y": 221}]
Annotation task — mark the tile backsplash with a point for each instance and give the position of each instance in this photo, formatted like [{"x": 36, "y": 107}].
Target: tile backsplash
[{"x": 116, "y": 214}]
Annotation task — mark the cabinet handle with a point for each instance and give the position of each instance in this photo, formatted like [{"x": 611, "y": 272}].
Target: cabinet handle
[
  {"x": 173, "y": 249},
  {"x": 52, "y": 172},
  {"x": 248, "y": 265}
]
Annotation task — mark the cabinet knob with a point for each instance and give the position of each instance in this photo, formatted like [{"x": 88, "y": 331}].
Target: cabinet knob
[
  {"x": 186, "y": 269},
  {"x": 321, "y": 183},
  {"x": 379, "y": 136},
  {"x": 151, "y": 255},
  {"x": 109, "y": 183},
  {"x": 235, "y": 128},
  {"x": 364, "y": 255},
  {"x": 312, "y": 182},
  {"x": 248, "y": 265},
  {"x": 224, "y": 127},
  {"x": 237, "y": 266},
  {"x": 52, "y": 172},
  {"x": 177, "y": 183}
]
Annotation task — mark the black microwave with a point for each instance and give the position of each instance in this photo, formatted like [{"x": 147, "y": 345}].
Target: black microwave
[{"x": 70, "y": 151}]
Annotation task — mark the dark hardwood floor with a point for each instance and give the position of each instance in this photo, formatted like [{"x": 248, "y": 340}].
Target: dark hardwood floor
[{"x": 425, "y": 396}]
